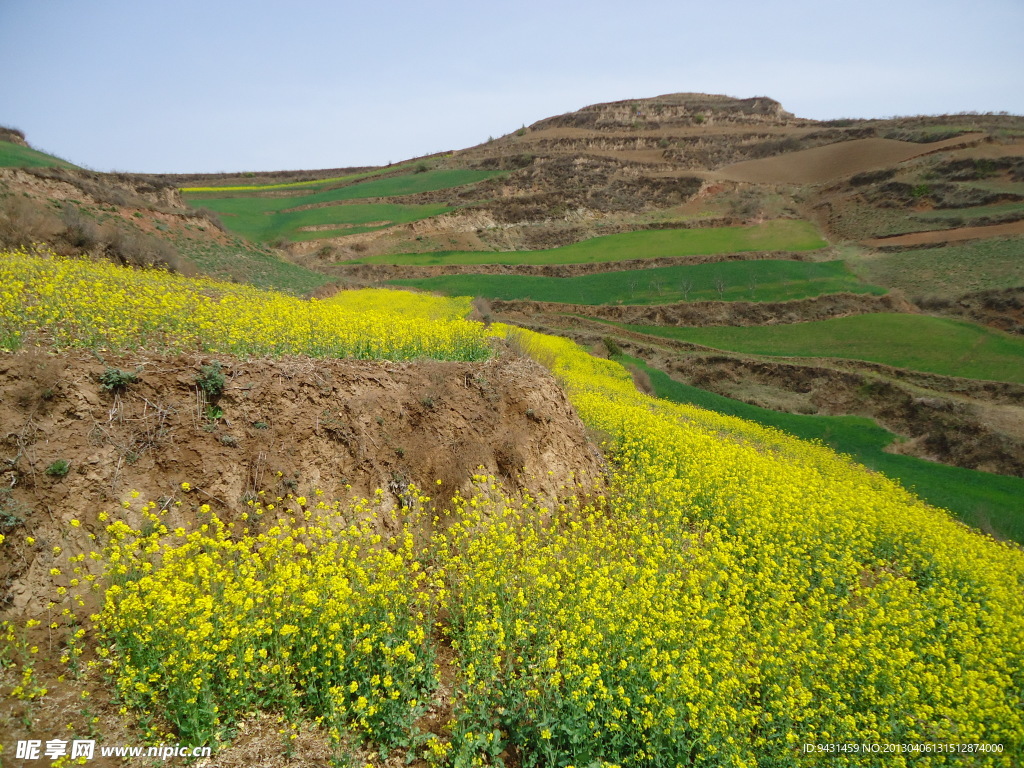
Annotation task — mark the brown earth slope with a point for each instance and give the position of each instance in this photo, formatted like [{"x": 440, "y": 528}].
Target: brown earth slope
[
  {"x": 293, "y": 425},
  {"x": 846, "y": 158}
]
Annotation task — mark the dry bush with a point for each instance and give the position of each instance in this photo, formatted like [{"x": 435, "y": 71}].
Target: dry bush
[
  {"x": 641, "y": 380},
  {"x": 136, "y": 249},
  {"x": 13, "y": 135},
  {"x": 210, "y": 216},
  {"x": 80, "y": 231},
  {"x": 23, "y": 222}
]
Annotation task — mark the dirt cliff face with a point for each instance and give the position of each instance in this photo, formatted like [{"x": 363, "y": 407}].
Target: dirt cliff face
[{"x": 283, "y": 426}]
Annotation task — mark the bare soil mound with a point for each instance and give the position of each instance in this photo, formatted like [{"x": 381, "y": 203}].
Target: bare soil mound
[
  {"x": 285, "y": 426},
  {"x": 833, "y": 161}
]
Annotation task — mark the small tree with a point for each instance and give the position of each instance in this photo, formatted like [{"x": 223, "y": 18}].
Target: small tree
[
  {"x": 720, "y": 286},
  {"x": 685, "y": 286}
]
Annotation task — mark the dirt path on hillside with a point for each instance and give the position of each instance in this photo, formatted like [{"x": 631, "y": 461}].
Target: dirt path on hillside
[
  {"x": 845, "y": 158},
  {"x": 938, "y": 236}
]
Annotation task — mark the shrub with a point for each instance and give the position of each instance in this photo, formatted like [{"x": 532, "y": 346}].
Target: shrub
[
  {"x": 22, "y": 222},
  {"x": 211, "y": 379},
  {"x": 79, "y": 230},
  {"x": 211, "y": 216},
  {"x": 59, "y": 468},
  {"x": 116, "y": 380},
  {"x": 136, "y": 249}
]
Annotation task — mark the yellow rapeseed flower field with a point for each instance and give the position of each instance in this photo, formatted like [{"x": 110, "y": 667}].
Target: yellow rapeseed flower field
[
  {"x": 729, "y": 596},
  {"x": 80, "y": 303},
  {"x": 308, "y": 616}
]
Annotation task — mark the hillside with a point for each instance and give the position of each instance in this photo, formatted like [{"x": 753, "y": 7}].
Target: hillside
[
  {"x": 700, "y": 440},
  {"x": 683, "y": 209}
]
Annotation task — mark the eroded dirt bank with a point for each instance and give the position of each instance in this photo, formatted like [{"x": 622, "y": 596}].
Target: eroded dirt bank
[{"x": 284, "y": 426}]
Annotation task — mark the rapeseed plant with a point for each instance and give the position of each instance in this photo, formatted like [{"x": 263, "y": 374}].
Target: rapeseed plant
[{"x": 315, "y": 615}]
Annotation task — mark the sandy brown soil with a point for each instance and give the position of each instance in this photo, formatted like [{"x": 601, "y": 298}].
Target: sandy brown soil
[
  {"x": 947, "y": 235},
  {"x": 821, "y": 164},
  {"x": 130, "y": 202}
]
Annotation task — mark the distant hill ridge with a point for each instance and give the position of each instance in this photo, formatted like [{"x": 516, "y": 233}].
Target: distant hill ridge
[{"x": 673, "y": 109}]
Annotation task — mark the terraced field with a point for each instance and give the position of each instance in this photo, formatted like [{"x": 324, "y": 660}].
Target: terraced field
[
  {"x": 268, "y": 212},
  {"x": 216, "y": 187},
  {"x": 730, "y": 593},
  {"x": 947, "y": 271},
  {"x": 917, "y": 342},
  {"x": 776, "y": 235},
  {"x": 767, "y": 280}
]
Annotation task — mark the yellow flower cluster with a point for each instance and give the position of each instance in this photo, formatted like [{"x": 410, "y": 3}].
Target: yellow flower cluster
[
  {"x": 310, "y": 616},
  {"x": 16, "y": 650},
  {"x": 79, "y": 303}
]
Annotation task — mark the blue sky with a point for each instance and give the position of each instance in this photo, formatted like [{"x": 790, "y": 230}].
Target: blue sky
[{"x": 227, "y": 85}]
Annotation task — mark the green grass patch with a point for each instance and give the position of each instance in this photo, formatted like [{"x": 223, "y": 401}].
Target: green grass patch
[
  {"x": 266, "y": 218},
  {"x": 240, "y": 262},
  {"x": 777, "y": 235},
  {"x": 980, "y": 499},
  {"x": 917, "y": 342},
  {"x": 17, "y": 156},
  {"x": 768, "y": 280},
  {"x": 256, "y": 225},
  {"x": 1000, "y": 185},
  {"x": 950, "y": 270}
]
